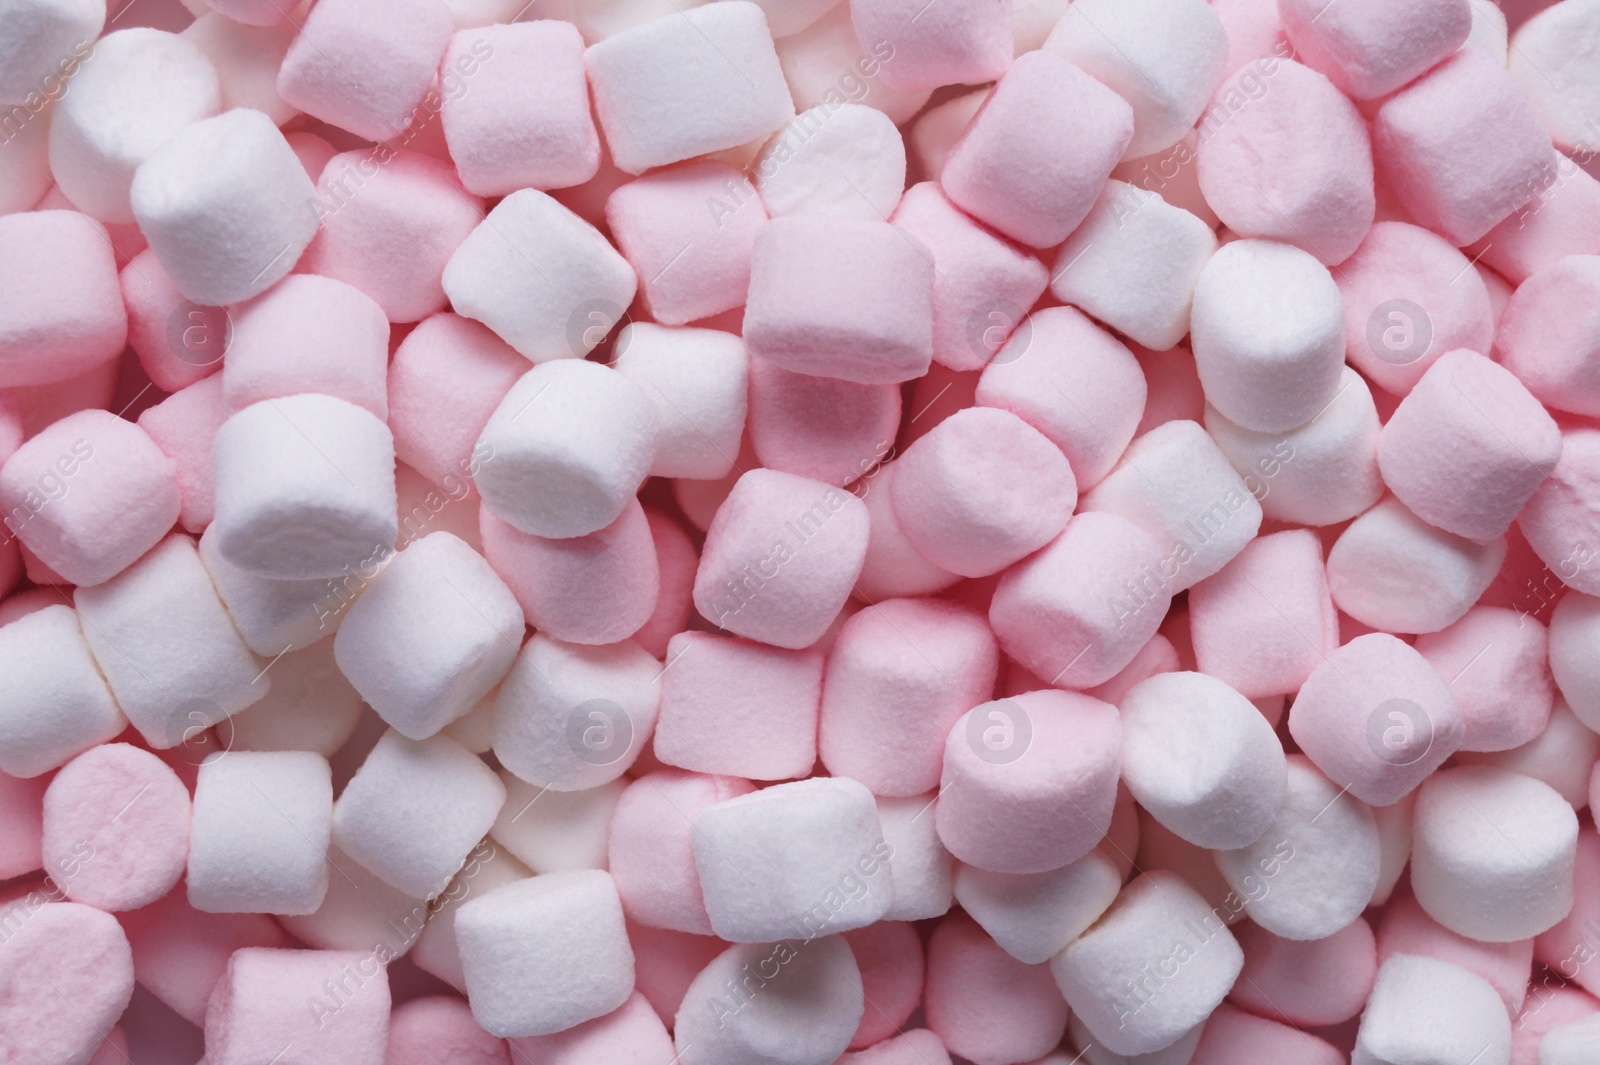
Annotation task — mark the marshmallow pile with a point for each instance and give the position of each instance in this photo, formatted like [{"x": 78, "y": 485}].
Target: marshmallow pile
[{"x": 799, "y": 532}]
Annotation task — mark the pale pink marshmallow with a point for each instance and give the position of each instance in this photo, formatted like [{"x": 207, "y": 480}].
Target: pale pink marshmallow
[
  {"x": 918, "y": 1046},
  {"x": 116, "y": 828},
  {"x": 523, "y": 121},
  {"x": 738, "y": 708},
  {"x": 1035, "y": 156},
  {"x": 985, "y": 1005},
  {"x": 183, "y": 426},
  {"x": 1255, "y": 30},
  {"x": 1307, "y": 983},
  {"x": 21, "y": 825},
  {"x": 1560, "y": 221},
  {"x": 1495, "y": 664},
  {"x": 1574, "y": 628},
  {"x": 178, "y": 342},
  {"x": 1409, "y": 297},
  {"x": 983, "y": 283},
  {"x": 1079, "y": 611},
  {"x": 331, "y": 1006},
  {"x": 89, "y": 495},
  {"x": 246, "y": 58},
  {"x": 1172, "y": 386},
  {"x": 846, "y": 298},
  {"x": 1375, "y": 717},
  {"x": 1550, "y": 333},
  {"x": 822, "y": 428},
  {"x": 892, "y": 566},
  {"x": 1468, "y": 446},
  {"x": 439, "y": 1030},
  {"x": 899, "y": 675},
  {"x": 1430, "y": 136},
  {"x": 698, "y": 380},
  {"x": 780, "y": 558},
  {"x": 1160, "y": 849},
  {"x": 308, "y": 334},
  {"x": 630, "y": 1033},
  {"x": 1029, "y": 782},
  {"x": 1232, "y": 1035},
  {"x": 889, "y": 955},
  {"x": 1558, "y": 522},
  {"x": 1567, "y": 947},
  {"x": 179, "y": 953},
  {"x": 1406, "y": 928},
  {"x": 313, "y": 151},
  {"x": 1562, "y": 755},
  {"x": 666, "y": 963},
  {"x": 1556, "y": 1005},
  {"x": 71, "y": 975},
  {"x": 1158, "y": 655},
  {"x": 938, "y": 128},
  {"x": 826, "y": 64},
  {"x": 60, "y": 304},
  {"x": 982, "y": 490},
  {"x": 1391, "y": 570},
  {"x": 689, "y": 232},
  {"x": 677, "y": 560},
  {"x": 1371, "y": 49},
  {"x": 962, "y": 44},
  {"x": 837, "y": 159}
]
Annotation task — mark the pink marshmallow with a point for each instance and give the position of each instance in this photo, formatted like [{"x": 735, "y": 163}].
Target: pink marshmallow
[
  {"x": 676, "y": 559},
  {"x": 841, "y": 297},
  {"x": 984, "y": 1004},
  {"x": 61, "y": 311},
  {"x": 889, "y": 955},
  {"x": 1029, "y": 782},
  {"x": 738, "y": 708},
  {"x": 439, "y": 1030},
  {"x": 390, "y": 222},
  {"x": 178, "y": 342},
  {"x": 1405, "y": 928},
  {"x": 899, "y": 675},
  {"x": 631, "y": 1034},
  {"x": 1563, "y": 219},
  {"x": 183, "y": 426},
  {"x": 68, "y": 976},
  {"x": 330, "y": 1006},
  {"x": 919, "y": 1046},
  {"x": 960, "y": 44},
  {"x": 1233, "y": 1036},
  {"x": 1370, "y": 48},
  {"x": 1568, "y": 948},
  {"x": 1310, "y": 983},
  {"x": 1034, "y": 158},
  {"x": 1550, "y": 333},
  {"x": 892, "y": 566},
  {"x": 89, "y": 495},
  {"x": 1559, "y": 521},
  {"x": 820, "y": 427},
  {"x": 21, "y": 824},
  {"x": 1494, "y": 661},
  {"x": 666, "y": 963}
]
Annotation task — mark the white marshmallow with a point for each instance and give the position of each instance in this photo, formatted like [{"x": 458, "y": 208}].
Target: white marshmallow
[
  {"x": 258, "y": 841},
  {"x": 1394, "y": 844},
  {"x": 138, "y": 88},
  {"x": 542, "y": 278},
  {"x": 275, "y": 616},
  {"x": 568, "y": 447},
  {"x": 167, "y": 647},
  {"x": 1152, "y": 968},
  {"x": 1201, "y": 759},
  {"x": 793, "y": 861},
  {"x": 1391, "y": 570},
  {"x": 360, "y": 912},
  {"x": 1574, "y": 635},
  {"x": 1314, "y": 869},
  {"x": 1320, "y": 473},
  {"x": 25, "y": 162},
  {"x": 227, "y": 207},
  {"x": 599, "y": 19},
  {"x": 844, "y": 160},
  {"x": 38, "y": 36},
  {"x": 827, "y": 64},
  {"x": 415, "y": 810},
  {"x": 309, "y": 707},
  {"x": 1033, "y": 916},
  {"x": 1429, "y": 1012},
  {"x": 544, "y": 954},
  {"x": 1133, "y": 264},
  {"x": 783, "y": 1003},
  {"x": 571, "y": 717},
  {"x": 1165, "y": 57},
  {"x": 431, "y": 636},
  {"x": 1268, "y": 337},
  {"x": 1492, "y": 853},
  {"x": 1562, "y": 755},
  {"x": 697, "y": 380},
  {"x": 54, "y": 703},
  {"x": 701, "y": 81},
  {"x": 247, "y": 59},
  {"x": 305, "y": 488},
  {"x": 556, "y": 831},
  {"x": 921, "y": 870},
  {"x": 1574, "y": 1043},
  {"x": 1552, "y": 59},
  {"x": 1092, "y": 1053},
  {"x": 1175, "y": 484},
  {"x": 488, "y": 867}
]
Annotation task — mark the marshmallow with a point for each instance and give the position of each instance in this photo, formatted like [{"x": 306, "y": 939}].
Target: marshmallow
[
  {"x": 1494, "y": 659},
  {"x": 488, "y": 866},
  {"x": 1561, "y": 755},
  {"x": 556, "y": 831},
  {"x": 985, "y": 1005},
  {"x": 1035, "y": 156},
  {"x": 1547, "y": 335},
  {"x": 310, "y": 707},
  {"x": 780, "y": 558},
  {"x": 54, "y": 703},
  {"x": 677, "y": 559},
  {"x": 1163, "y": 56},
  {"x": 439, "y": 1030},
  {"x": 666, "y": 963},
  {"x": 568, "y": 463},
  {"x": 178, "y": 342},
  {"x": 21, "y": 825},
  {"x": 1078, "y": 612},
  {"x": 1201, "y": 759},
  {"x": 935, "y": 47},
  {"x": 1375, "y": 717},
  {"x": 246, "y": 58},
  {"x": 1307, "y": 983},
  {"x": 1574, "y": 628},
  {"x": 892, "y": 566},
  {"x": 61, "y": 310},
  {"x": 1155, "y": 848},
  {"x": 1405, "y": 928},
  {"x": 116, "y": 827},
  {"x": 802, "y": 1008},
  {"x": 676, "y": 88},
  {"x": 1175, "y": 484},
  {"x": 938, "y": 128},
  {"x": 819, "y": 427},
  {"x": 137, "y": 89},
  {"x": 827, "y": 65},
  {"x": 509, "y": 131},
  {"x": 258, "y": 842},
  {"x": 890, "y": 957},
  {"x": 1424, "y": 1011},
  {"x": 542, "y": 278},
  {"x": 69, "y": 975},
  {"x": 844, "y": 159},
  {"x": 688, "y": 232},
  {"x": 599, "y": 19},
  {"x": 1429, "y": 136},
  {"x": 632, "y": 1032},
  {"x": 275, "y": 616},
  {"x": 921, "y": 869},
  {"x": 1571, "y": 1044},
  {"x": 1391, "y": 570},
  {"x": 738, "y": 708},
  {"x": 1315, "y": 867},
  {"x": 1492, "y": 853},
  {"x": 1034, "y": 916},
  {"x": 360, "y": 912},
  {"x": 1124, "y": 980},
  {"x": 183, "y": 426},
  {"x": 697, "y": 380},
  {"x": 544, "y": 954},
  {"x": 1029, "y": 781},
  {"x": 41, "y": 38},
  {"x": 846, "y": 298},
  {"x": 1548, "y": 61},
  {"x": 1559, "y": 221},
  {"x": 415, "y": 810},
  {"x": 899, "y": 675},
  {"x": 1558, "y": 520},
  {"x": 324, "y": 1006},
  {"x": 25, "y": 156},
  {"x": 432, "y": 634},
  {"x": 982, "y": 490},
  {"x": 1232, "y": 1035},
  {"x": 570, "y": 717},
  {"x": 1371, "y": 49},
  {"x": 89, "y": 495}
]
